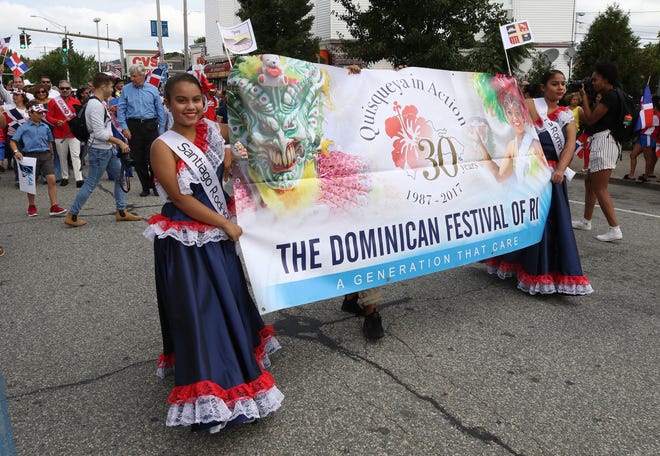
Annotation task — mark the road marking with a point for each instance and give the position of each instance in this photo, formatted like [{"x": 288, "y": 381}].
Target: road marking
[
  {"x": 621, "y": 210},
  {"x": 7, "y": 447}
]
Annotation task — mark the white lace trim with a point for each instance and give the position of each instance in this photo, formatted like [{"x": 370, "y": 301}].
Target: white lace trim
[
  {"x": 187, "y": 237},
  {"x": 543, "y": 288},
  {"x": 163, "y": 372},
  {"x": 271, "y": 347},
  {"x": 576, "y": 290},
  {"x": 207, "y": 409}
]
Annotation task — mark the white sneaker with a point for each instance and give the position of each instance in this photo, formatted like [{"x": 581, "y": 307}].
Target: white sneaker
[
  {"x": 583, "y": 224},
  {"x": 613, "y": 234}
]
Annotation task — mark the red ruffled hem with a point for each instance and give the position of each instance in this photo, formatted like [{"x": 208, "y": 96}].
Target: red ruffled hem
[
  {"x": 166, "y": 361},
  {"x": 555, "y": 280},
  {"x": 190, "y": 393},
  {"x": 245, "y": 391},
  {"x": 166, "y": 224}
]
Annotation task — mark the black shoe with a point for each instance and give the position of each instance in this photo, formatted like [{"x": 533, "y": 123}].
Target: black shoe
[
  {"x": 64, "y": 182},
  {"x": 352, "y": 306},
  {"x": 79, "y": 183},
  {"x": 155, "y": 192},
  {"x": 373, "y": 326},
  {"x": 144, "y": 193}
]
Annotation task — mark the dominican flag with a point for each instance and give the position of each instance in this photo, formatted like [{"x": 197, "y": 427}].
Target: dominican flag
[
  {"x": 583, "y": 148},
  {"x": 645, "y": 119},
  {"x": 16, "y": 65},
  {"x": 4, "y": 45},
  {"x": 516, "y": 34},
  {"x": 155, "y": 76}
]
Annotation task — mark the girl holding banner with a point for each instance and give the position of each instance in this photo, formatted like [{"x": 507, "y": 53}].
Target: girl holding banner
[
  {"x": 552, "y": 265},
  {"x": 207, "y": 315}
]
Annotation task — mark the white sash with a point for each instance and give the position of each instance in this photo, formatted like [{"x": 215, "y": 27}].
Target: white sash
[
  {"x": 200, "y": 167},
  {"x": 553, "y": 128},
  {"x": 68, "y": 113},
  {"x": 556, "y": 134}
]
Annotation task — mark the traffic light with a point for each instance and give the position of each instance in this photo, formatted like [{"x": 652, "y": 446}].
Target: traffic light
[
  {"x": 70, "y": 43},
  {"x": 28, "y": 40},
  {"x": 22, "y": 40},
  {"x": 65, "y": 46}
]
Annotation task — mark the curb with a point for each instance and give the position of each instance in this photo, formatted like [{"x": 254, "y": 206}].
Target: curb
[{"x": 628, "y": 183}]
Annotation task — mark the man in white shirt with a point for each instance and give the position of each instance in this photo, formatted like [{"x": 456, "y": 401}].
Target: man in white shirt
[
  {"x": 18, "y": 84},
  {"x": 101, "y": 152}
]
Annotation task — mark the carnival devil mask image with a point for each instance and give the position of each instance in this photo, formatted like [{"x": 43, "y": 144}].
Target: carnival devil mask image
[{"x": 275, "y": 111}]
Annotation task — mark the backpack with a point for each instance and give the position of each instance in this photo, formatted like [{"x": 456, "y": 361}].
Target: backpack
[
  {"x": 78, "y": 124},
  {"x": 627, "y": 119}
]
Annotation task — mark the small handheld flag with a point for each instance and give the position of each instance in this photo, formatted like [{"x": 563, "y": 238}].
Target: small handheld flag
[
  {"x": 155, "y": 77},
  {"x": 4, "y": 45},
  {"x": 16, "y": 65},
  {"x": 516, "y": 34},
  {"x": 238, "y": 39},
  {"x": 645, "y": 119}
]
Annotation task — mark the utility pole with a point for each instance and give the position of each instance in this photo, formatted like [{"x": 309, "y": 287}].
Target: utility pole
[
  {"x": 159, "y": 28},
  {"x": 186, "y": 60}
]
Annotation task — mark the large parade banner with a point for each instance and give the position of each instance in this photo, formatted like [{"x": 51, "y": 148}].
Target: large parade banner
[{"x": 352, "y": 181}]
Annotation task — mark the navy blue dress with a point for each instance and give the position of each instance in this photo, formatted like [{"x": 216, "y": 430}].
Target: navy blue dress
[
  {"x": 209, "y": 321},
  {"x": 552, "y": 265}
]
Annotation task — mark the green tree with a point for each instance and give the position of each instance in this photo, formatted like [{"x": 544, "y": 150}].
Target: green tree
[
  {"x": 650, "y": 64},
  {"x": 282, "y": 27},
  {"x": 199, "y": 40},
  {"x": 540, "y": 65},
  {"x": 81, "y": 67},
  {"x": 431, "y": 33},
  {"x": 487, "y": 53},
  {"x": 610, "y": 38}
]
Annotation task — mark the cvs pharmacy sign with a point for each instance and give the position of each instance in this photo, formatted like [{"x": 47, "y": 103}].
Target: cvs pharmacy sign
[{"x": 141, "y": 57}]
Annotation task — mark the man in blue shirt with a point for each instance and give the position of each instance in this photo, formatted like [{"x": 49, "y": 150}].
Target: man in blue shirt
[
  {"x": 142, "y": 118},
  {"x": 37, "y": 141}
]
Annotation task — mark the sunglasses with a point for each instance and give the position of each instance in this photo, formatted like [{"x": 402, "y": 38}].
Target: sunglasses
[
  {"x": 65, "y": 88},
  {"x": 45, "y": 82}
]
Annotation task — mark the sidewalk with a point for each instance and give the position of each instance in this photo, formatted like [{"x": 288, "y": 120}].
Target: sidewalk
[{"x": 622, "y": 168}]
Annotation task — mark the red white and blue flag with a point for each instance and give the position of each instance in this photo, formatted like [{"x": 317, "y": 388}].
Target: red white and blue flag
[
  {"x": 645, "y": 119},
  {"x": 4, "y": 45},
  {"x": 16, "y": 65},
  {"x": 114, "y": 68},
  {"x": 155, "y": 77}
]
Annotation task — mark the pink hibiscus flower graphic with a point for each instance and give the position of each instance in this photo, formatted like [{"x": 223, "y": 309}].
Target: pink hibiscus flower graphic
[{"x": 407, "y": 129}]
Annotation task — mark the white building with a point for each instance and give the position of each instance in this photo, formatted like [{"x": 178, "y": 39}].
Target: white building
[{"x": 552, "y": 24}]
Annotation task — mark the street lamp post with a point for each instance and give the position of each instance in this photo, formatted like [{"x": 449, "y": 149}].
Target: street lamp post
[{"x": 98, "y": 43}]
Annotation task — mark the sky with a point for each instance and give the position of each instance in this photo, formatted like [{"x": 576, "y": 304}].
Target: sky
[
  {"x": 130, "y": 20},
  {"x": 644, "y": 16}
]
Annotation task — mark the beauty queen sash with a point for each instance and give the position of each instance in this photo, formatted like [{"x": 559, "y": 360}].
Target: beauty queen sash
[
  {"x": 555, "y": 132},
  {"x": 64, "y": 108},
  {"x": 553, "y": 128},
  {"x": 200, "y": 167}
]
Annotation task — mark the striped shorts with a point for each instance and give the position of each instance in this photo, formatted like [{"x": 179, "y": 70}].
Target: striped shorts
[{"x": 605, "y": 151}]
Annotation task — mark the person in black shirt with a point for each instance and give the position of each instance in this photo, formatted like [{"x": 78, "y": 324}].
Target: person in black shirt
[{"x": 599, "y": 120}]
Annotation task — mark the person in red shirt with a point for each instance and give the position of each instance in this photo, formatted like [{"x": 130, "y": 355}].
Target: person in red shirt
[
  {"x": 60, "y": 109},
  {"x": 211, "y": 103}
]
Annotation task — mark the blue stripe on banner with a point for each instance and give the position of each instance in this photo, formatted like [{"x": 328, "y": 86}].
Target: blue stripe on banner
[
  {"x": 309, "y": 290},
  {"x": 7, "y": 447}
]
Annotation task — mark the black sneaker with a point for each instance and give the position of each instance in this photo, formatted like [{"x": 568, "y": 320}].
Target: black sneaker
[
  {"x": 351, "y": 305},
  {"x": 373, "y": 326},
  {"x": 64, "y": 182}
]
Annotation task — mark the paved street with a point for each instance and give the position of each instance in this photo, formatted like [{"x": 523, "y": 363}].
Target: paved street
[{"x": 468, "y": 366}]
